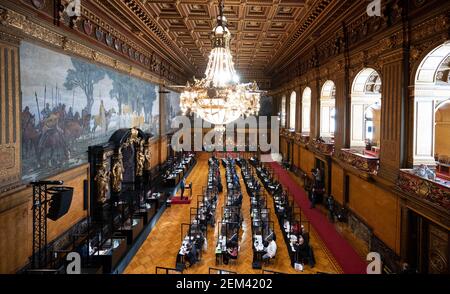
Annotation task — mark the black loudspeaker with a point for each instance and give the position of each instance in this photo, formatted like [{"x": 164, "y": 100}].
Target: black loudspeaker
[{"x": 61, "y": 198}]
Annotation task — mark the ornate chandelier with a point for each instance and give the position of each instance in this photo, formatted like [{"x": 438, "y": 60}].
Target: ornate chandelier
[{"x": 219, "y": 98}]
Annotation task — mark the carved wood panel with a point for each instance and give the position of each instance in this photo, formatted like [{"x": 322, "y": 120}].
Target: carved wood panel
[
  {"x": 438, "y": 250},
  {"x": 10, "y": 134}
]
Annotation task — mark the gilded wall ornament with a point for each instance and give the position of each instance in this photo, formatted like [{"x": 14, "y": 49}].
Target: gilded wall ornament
[
  {"x": 140, "y": 159},
  {"x": 102, "y": 182},
  {"x": 148, "y": 157},
  {"x": 117, "y": 173}
]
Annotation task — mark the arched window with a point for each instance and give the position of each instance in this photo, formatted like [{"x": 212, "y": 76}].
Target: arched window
[
  {"x": 306, "y": 110},
  {"x": 283, "y": 111},
  {"x": 366, "y": 109},
  {"x": 431, "y": 98},
  {"x": 292, "y": 111},
  {"x": 328, "y": 110}
]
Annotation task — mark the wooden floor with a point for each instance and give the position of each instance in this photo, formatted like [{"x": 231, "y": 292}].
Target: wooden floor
[{"x": 163, "y": 243}]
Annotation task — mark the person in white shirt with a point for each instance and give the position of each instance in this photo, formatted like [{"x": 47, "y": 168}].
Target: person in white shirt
[{"x": 271, "y": 250}]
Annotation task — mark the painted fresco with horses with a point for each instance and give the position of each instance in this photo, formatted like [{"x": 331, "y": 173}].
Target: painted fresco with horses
[{"x": 69, "y": 104}]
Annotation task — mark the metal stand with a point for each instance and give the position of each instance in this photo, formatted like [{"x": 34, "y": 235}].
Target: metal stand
[{"x": 40, "y": 254}]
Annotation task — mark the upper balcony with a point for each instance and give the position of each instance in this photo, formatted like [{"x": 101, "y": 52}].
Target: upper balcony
[
  {"x": 425, "y": 184},
  {"x": 325, "y": 146},
  {"x": 367, "y": 161}
]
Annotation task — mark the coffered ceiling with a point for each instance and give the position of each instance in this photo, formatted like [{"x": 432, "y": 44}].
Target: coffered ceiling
[{"x": 260, "y": 29}]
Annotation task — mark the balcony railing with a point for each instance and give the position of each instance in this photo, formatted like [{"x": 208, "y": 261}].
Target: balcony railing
[
  {"x": 368, "y": 163},
  {"x": 324, "y": 146},
  {"x": 301, "y": 138},
  {"x": 435, "y": 190}
]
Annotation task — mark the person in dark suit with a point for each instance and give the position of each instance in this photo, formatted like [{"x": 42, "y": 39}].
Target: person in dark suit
[{"x": 182, "y": 186}]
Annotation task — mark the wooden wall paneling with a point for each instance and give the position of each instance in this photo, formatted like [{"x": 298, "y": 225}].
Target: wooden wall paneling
[
  {"x": 308, "y": 161},
  {"x": 337, "y": 183},
  {"x": 377, "y": 207},
  {"x": 296, "y": 155},
  {"x": 10, "y": 134},
  {"x": 300, "y": 156},
  {"x": 15, "y": 246}
]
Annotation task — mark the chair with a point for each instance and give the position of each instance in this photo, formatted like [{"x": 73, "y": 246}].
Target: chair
[{"x": 269, "y": 261}]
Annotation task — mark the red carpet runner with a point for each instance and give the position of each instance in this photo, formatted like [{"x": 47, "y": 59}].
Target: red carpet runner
[
  {"x": 177, "y": 200},
  {"x": 348, "y": 259}
]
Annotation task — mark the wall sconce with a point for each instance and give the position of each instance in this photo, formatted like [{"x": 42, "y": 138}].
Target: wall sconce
[{"x": 70, "y": 11}]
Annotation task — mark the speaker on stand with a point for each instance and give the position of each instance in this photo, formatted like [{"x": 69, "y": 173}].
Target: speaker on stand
[{"x": 50, "y": 200}]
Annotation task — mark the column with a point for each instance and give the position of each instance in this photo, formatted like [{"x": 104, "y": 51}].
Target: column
[
  {"x": 10, "y": 112},
  {"x": 299, "y": 110},
  {"x": 393, "y": 108},
  {"x": 342, "y": 132},
  {"x": 315, "y": 109}
]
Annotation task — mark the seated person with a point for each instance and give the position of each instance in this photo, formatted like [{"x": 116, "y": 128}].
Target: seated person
[
  {"x": 232, "y": 250},
  {"x": 271, "y": 250},
  {"x": 191, "y": 256}
]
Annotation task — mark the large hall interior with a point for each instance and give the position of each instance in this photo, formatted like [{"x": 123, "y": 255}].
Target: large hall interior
[{"x": 224, "y": 137}]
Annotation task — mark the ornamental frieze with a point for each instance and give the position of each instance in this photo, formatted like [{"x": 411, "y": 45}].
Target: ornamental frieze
[{"x": 13, "y": 20}]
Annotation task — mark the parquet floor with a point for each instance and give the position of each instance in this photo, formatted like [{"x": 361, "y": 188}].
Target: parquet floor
[{"x": 162, "y": 244}]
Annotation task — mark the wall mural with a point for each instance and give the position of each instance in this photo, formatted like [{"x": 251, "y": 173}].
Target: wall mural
[
  {"x": 172, "y": 107},
  {"x": 69, "y": 104}
]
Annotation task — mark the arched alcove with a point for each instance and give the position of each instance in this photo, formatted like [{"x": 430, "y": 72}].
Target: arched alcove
[
  {"x": 292, "y": 111},
  {"x": 431, "y": 95},
  {"x": 283, "y": 111},
  {"x": 328, "y": 110},
  {"x": 306, "y": 110},
  {"x": 366, "y": 108}
]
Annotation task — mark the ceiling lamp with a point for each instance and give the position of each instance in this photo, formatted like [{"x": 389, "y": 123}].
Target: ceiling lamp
[{"x": 219, "y": 98}]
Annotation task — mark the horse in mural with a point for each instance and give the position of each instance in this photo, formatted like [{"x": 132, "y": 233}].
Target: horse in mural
[
  {"x": 102, "y": 119},
  {"x": 53, "y": 147},
  {"x": 72, "y": 130},
  {"x": 30, "y": 134}
]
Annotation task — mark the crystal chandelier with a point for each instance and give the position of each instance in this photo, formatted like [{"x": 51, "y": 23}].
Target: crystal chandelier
[{"x": 219, "y": 98}]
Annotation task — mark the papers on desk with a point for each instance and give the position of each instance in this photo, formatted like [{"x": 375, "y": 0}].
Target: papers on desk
[{"x": 258, "y": 244}]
